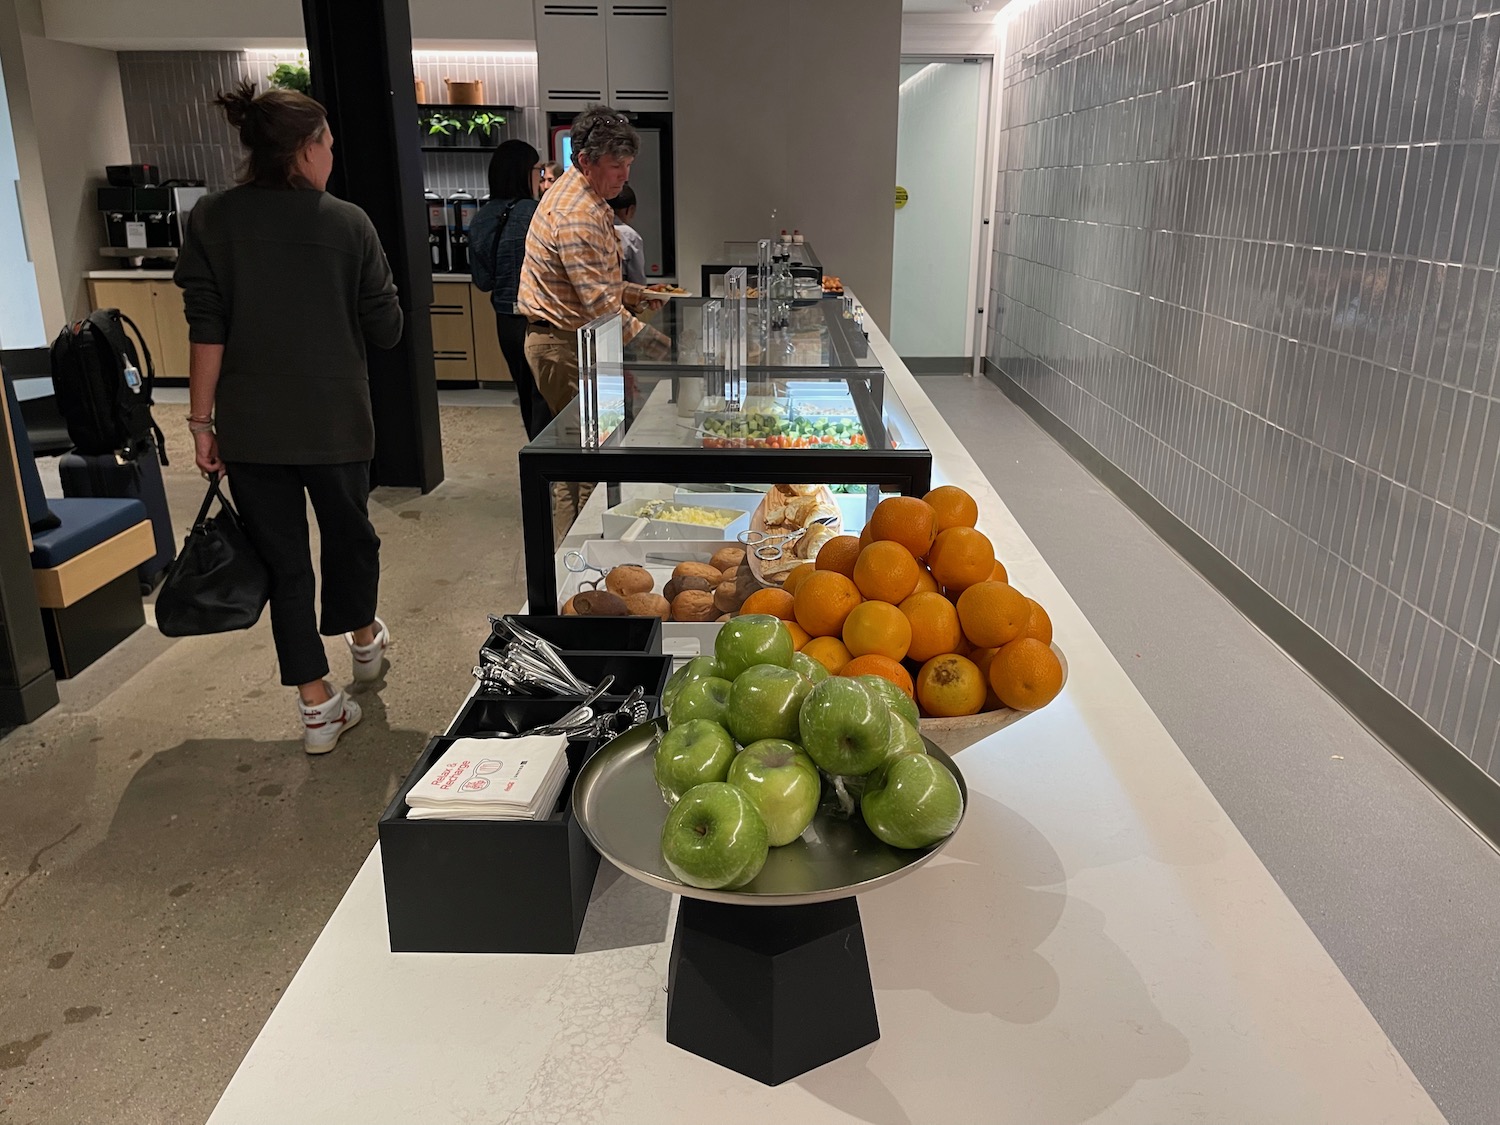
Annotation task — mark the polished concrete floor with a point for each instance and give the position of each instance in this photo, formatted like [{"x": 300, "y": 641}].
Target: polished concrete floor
[{"x": 168, "y": 854}]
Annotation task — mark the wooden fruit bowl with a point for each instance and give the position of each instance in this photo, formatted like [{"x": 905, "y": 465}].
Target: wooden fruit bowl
[{"x": 988, "y": 721}]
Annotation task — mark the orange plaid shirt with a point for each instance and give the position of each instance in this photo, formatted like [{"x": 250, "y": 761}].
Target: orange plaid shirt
[{"x": 573, "y": 272}]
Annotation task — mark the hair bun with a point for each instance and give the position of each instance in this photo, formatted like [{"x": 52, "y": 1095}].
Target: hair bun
[{"x": 240, "y": 110}]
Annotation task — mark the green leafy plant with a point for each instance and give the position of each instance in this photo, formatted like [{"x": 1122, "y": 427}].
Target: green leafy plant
[
  {"x": 439, "y": 124},
  {"x": 481, "y": 127},
  {"x": 292, "y": 76}
]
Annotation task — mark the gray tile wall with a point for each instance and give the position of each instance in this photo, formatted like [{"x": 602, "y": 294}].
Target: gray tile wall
[
  {"x": 1248, "y": 250},
  {"x": 174, "y": 124}
]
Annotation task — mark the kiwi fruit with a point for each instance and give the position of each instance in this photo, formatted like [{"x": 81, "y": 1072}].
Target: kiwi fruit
[
  {"x": 711, "y": 574},
  {"x": 629, "y": 579},
  {"x": 648, "y": 605},
  {"x": 599, "y": 603},
  {"x": 726, "y": 557},
  {"x": 679, "y": 585},
  {"x": 694, "y": 605}
]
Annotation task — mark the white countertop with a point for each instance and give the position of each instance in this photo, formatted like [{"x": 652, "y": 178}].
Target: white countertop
[
  {"x": 129, "y": 275},
  {"x": 1098, "y": 943}
]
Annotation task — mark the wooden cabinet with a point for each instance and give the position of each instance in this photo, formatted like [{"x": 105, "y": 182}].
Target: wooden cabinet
[
  {"x": 465, "y": 348},
  {"x": 489, "y": 361},
  {"x": 452, "y": 332},
  {"x": 155, "y": 305}
]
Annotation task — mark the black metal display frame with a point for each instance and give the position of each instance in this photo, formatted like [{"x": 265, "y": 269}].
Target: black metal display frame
[{"x": 907, "y": 471}]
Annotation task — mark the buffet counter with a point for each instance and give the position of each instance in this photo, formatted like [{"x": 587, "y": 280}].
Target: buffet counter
[{"x": 1097, "y": 943}]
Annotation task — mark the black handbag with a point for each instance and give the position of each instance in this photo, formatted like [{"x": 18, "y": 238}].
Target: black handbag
[{"x": 218, "y": 582}]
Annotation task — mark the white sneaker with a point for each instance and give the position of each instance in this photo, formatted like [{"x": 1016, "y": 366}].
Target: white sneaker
[
  {"x": 322, "y": 723},
  {"x": 367, "y": 657}
]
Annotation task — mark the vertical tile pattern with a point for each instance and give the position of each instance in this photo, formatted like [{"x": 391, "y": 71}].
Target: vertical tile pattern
[
  {"x": 174, "y": 124},
  {"x": 1249, "y": 252}
]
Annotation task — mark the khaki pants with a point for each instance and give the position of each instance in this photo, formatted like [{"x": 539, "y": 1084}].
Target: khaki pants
[{"x": 552, "y": 354}]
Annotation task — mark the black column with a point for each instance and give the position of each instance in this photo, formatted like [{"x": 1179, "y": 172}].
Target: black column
[
  {"x": 28, "y": 686},
  {"x": 360, "y": 59}
]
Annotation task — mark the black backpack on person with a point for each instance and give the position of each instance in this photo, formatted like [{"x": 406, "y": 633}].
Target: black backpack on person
[{"x": 101, "y": 390}]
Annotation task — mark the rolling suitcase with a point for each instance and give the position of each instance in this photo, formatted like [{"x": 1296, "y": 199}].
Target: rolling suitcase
[{"x": 109, "y": 476}]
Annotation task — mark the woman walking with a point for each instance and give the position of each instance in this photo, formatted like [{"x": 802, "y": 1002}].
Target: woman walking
[
  {"x": 284, "y": 286},
  {"x": 497, "y": 247}
]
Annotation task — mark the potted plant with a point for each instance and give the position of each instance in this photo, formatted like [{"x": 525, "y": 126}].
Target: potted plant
[
  {"x": 292, "y": 76},
  {"x": 483, "y": 129},
  {"x": 439, "y": 129}
]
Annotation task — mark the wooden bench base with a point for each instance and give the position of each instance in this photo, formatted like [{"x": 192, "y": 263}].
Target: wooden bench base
[
  {"x": 58, "y": 587},
  {"x": 79, "y": 634}
]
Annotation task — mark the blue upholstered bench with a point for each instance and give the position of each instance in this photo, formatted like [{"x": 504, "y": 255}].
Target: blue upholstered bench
[{"x": 83, "y": 558}]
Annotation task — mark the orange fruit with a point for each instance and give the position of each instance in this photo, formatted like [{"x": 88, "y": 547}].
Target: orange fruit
[
  {"x": 886, "y": 572},
  {"x": 776, "y": 602},
  {"x": 795, "y": 576},
  {"x": 951, "y": 685},
  {"x": 839, "y": 554},
  {"x": 905, "y": 520},
  {"x": 965, "y": 646},
  {"x": 1039, "y": 626},
  {"x": 1026, "y": 674},
  {"x": 954, "y": 507},
  {"x": 982, "y": 658},
  {"x": 993, "y": 613},
  {"x": 934, "y": 625},
  {"x": 961, "y": 557},
  {"x": 879, "y": 628},
  {"x": 926, "y": 582},
  {"x": 800, "y": 635},
  {"x": 999, "y": 575},
  {"x": 882, "y": 666},
  {"x": 829, "y": 652},
  {"x": 865, "y": 538},
  {"x": 824, "y": 601}
]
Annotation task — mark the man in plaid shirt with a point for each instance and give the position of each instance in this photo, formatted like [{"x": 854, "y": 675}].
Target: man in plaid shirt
[{"x": 573, "y": 270}]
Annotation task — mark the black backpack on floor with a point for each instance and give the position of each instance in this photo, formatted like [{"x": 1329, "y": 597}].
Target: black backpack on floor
[{"x": 101, "y": 390}]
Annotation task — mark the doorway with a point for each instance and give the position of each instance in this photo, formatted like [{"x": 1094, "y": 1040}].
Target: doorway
[
  {"x": 941, "y": 157},
  {"x": 20, "y": 308}
]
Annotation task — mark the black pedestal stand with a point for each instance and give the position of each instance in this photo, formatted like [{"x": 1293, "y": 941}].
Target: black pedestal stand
[{"x": 771, "y": 992}]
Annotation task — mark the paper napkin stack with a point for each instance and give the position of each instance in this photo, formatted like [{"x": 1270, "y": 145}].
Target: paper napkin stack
[{"x": 493, "y": 779}]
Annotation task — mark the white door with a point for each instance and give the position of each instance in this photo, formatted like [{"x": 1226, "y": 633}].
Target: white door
[
  {"x": 941, "y": 156},
  {"x": 20, "y": 307}
]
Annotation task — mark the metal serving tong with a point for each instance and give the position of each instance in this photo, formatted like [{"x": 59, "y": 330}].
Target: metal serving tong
[
  {"x": 770, "y": 546},
  {"x": 527, "y": 660}
]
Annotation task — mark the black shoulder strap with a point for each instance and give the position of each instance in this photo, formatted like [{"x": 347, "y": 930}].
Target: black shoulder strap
[{"x": 148, "y": 386}]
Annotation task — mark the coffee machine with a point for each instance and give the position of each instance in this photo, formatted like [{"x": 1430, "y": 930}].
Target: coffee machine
[
  {"x": 463, "y": 207},
  {"x": 437, "y": 231},
  {"x": 146, "y": 217}
]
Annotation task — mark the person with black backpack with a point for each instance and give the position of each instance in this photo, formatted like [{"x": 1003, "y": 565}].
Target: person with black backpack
[
  {"x": 284, "y": 286},
  {"x": 497, "y": 241}
]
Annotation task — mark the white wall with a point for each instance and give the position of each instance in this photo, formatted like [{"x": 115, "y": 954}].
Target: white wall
[
  {"x": 140, "y": 25},
  {"x": 788, "y": 104},
  {"x": 69, "y": 117}
]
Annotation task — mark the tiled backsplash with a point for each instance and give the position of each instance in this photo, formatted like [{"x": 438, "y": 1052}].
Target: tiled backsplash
[
  {"x": 175, "y": 125},
  {"x": 1248, "y": 251}
]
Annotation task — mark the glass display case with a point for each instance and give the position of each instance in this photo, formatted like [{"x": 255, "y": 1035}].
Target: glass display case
[
  {"x": 823, "y": 332},
  {"x": 803, "y": 261},
  {"x": 646, "y": 420}
]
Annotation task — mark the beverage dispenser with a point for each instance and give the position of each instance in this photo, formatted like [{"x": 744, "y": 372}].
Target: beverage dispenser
[
  {"x": 463, "y": 207},
  {"x": 437, "y": 231}
]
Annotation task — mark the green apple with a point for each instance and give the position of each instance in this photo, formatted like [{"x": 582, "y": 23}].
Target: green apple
[
  {"x": 698, "y": 668},
  {"x": 905, "y": 738},
  {"x": 912, "y": 801},
  {"x": 898, "y": 701},
  {"x": 809, "y": 667},
  {"x": 845, "y": 726},
  {"x": 707, "y": 698},
  {"x": 714, "y": 838},
  {"x": 756, "y": 638},
  {"x": 690, "y": 754},
  {"x": 765, "y": 702},
  {"x": 782, "y": 783}
]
